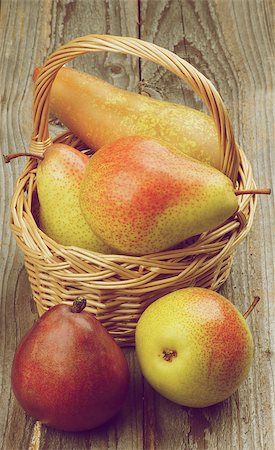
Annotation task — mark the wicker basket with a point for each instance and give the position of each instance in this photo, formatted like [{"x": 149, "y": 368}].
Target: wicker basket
[{"x": 119, "y": 287}]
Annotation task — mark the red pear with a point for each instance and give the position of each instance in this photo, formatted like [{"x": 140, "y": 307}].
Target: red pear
[{"x": 68, "y": 372}]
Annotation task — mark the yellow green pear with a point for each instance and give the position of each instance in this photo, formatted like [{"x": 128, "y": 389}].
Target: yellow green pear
[
  {"x": 141, "y": 197},
  {"x": 59, "y": 176},
  {"x": 100, "y": 113},
  {"x": 194, "y": 347}
]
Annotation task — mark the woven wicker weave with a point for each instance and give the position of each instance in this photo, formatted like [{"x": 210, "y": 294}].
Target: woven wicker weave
[{"x": 119, "y": 287}]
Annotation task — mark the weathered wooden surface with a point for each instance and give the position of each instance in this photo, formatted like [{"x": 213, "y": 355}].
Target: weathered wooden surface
[{"x": 231, "y": 42}]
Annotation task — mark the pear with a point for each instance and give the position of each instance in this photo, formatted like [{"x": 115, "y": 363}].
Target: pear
[
  {"x": 59, "y": 175},
  {"x": 194, "y": 347},
  {"x": 100, "y": 113},
  {"x": 141, "y": 197},
  {"x": 68, "y": 372}
]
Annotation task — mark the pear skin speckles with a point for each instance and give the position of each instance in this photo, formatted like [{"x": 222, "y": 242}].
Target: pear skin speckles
[
  {"x": 210, "y": 340},
  {"x": 59, "y": 178},
  {"x": 100, "y": 113},
  {"x": 141, "y": 197}
]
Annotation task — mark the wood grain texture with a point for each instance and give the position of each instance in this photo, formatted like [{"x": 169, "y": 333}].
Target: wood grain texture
[{"x": 231, "y": 42}]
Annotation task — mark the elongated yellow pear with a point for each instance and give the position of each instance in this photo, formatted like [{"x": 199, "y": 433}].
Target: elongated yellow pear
[
  {"x": 100, "y": 113},
  {"x": 141, "y": 197},
  {"x": 59, "y": 175}
]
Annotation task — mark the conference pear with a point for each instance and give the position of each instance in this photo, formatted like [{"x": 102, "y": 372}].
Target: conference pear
[
  {"x": 100, "y": 113},
  {"x": 68, "y": 372},
  {"x": 141, "y": 197},
  {"x": 194, "y": 347},
  {"x": 58, "y": 176}
]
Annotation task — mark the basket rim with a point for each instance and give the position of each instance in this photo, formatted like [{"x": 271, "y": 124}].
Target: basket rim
[{"x": 240, "y": 223}]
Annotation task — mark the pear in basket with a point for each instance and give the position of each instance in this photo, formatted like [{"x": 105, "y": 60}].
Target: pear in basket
[
  {"x": 141, "y": 197},
  {"x": 100, "y": 113},
  {"x": 68, "y": 372},
  {"x": 59, "y": 175}
]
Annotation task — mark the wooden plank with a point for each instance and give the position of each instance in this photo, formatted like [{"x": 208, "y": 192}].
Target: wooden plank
[
  {"x": 230, "y": 42},
  {"x": 15, "y": 314},
  {"x": 30, "y": 31}
]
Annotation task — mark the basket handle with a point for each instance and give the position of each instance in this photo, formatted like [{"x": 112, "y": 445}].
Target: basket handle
[{"x": 136, "y": 47}]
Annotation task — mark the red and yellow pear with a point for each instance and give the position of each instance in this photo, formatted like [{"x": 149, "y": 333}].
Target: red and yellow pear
[
  {"x": 59, "y": 176},
  {"x": 194, "y": 347},
  {"x": 141, "y": 197}
]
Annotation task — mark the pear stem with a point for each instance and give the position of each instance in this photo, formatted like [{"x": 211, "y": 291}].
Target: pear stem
[
  {"x": 252, "y": 191},
  {"x": 79, "y": 304},
  {"x": 251, "y": 307},
  {"x": 8, "y": 158},
  {"x": 168, "y": 355}
]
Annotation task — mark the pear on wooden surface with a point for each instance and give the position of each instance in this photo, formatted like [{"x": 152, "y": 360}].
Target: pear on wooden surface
[
  {"x": 141, "y": 197},
  {"x": 68, "y": 372},
  {"x": 59, "y": 176},
  {"x": 194, "y": 347},
  {"x": 100, "y": 113}
]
